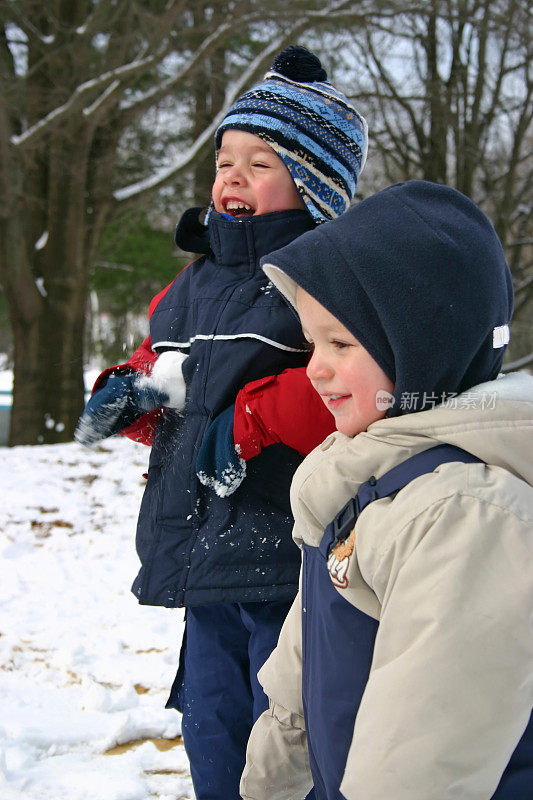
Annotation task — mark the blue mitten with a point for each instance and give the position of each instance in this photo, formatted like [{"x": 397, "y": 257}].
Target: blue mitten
[
  {"x": 218, "y": 464},
  {"x": 125, "y": 397},
  {"x": 114, "y": 406}
]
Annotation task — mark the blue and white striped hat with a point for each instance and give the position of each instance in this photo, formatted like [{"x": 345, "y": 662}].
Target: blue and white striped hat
[{"x": 318, "y": 134}]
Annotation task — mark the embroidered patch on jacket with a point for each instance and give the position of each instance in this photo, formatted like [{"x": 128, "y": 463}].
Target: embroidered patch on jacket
[{"x": 339, "y": 559}]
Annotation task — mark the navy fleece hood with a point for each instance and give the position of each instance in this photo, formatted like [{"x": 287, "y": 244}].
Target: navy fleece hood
[{"x": 417, "y": 274}]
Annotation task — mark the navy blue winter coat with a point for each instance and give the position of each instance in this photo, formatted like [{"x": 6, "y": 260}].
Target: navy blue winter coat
[{"x": 195, "y": 547}]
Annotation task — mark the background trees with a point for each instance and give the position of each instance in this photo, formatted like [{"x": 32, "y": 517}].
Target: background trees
[
  {"x": 107, "y": 112},
  {"x": 75, "y": 80},
  {"x": 447, "y": 86}
]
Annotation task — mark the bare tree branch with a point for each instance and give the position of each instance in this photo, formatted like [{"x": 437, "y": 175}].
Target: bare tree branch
[
  {"x": 163, "y": 176},
  {"x": 76, "y": 102},
  {"x": 520, "y": 363}
]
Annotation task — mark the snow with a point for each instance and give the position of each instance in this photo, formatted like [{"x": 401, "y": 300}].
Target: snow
[
  {"x": 6, "y": 379},
  {"x": 84, "y": 670},
  {"x": 100, "y": 100},
  {"x": 42, "y": 241},
  {"x": 167, "y": 377},
  {"x": 39, "y": 282},
  {"x": 227, "y": 480}
]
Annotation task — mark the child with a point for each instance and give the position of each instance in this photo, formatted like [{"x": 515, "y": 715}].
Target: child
[
  {"x": 404, "y": 670},
  {"x": 289, "y": 153}
]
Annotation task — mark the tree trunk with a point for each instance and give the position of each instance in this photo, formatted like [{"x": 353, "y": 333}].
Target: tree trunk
[
  {"x": 48, "y": 388},
  {"x": 48, "y": 338},
  {"x": 208, "y": 92},
  {"x": 435, "y": 158}
]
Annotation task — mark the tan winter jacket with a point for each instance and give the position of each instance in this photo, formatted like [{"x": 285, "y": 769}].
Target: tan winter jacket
[{"x": 447, "y": 700}]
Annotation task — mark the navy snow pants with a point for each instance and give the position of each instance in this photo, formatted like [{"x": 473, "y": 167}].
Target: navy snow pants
[{"x": 217, "y": 690}]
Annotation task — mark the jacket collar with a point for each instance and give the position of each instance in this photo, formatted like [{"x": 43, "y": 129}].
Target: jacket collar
[
  {"x": 245, "y": 241},
  {"x": 492, "y": 421},
  {"x": 240, "y": 241},
  {"x": 191, "y": 235}
]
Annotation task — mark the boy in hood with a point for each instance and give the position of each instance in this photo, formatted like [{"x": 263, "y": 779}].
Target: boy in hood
[{"x": 405, "y": 667}]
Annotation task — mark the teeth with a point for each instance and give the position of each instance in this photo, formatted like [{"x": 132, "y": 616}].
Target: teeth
[
  {"x": 335, "y": 396},
  {"x": 235, "y": 205}
]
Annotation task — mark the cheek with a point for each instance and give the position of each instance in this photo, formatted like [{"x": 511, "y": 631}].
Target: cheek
[
  {"x": 215, "y": 191},
  {"x": 277, "y": 194},
  {"x": 266, "y": 188},
  {"x": 377, "y": 389},
  {"x": 367, "y": 383},
  {"x": 291, "y": 196}
]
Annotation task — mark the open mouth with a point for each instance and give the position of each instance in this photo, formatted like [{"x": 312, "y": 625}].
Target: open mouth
[
  {"x": 236, "y": 208},
  {"x": 334, "y": 401}
]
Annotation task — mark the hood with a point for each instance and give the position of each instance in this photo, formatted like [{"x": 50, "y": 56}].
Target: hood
[
  {"x": 417, "y": 274},
  {"x": 191, "y": 234}
]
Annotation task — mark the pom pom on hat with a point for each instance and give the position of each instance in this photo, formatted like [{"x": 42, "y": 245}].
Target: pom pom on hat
[
  {"x": 315, "y": 130},
  {"x": 299, "y": 64}
]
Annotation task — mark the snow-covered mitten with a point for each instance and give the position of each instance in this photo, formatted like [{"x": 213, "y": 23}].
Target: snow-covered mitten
[
  {"x": 166, "y": 377},
  {"x": 123, "y": 398},
  {"x": 114, "y": 406},
  {"x": 277, "y": 409},
  {"x": 218, "y": 464}
]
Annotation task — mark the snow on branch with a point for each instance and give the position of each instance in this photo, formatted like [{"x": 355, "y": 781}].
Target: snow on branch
[
  {"x": 164, "y": 175},
  {"x": 160, "y": 177},
  {"x": 163, "y": 88},
  {"x": 100, "y": 100},
  {"x": 76, "y": 99}
]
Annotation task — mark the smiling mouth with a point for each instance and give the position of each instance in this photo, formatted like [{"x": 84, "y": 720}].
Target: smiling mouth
[
  {"x": 333, "y": 401},
  {"x": 236, "y": 208}
]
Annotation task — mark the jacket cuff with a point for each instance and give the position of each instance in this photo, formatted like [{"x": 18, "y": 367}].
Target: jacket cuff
[
  {"x": 250, "y": 434},
  {"x": 142, "y": 360},
  {"x": 281, "y": 408},
  {"x": 143, "y": 429},
  {"x": 277, "y": 761}
]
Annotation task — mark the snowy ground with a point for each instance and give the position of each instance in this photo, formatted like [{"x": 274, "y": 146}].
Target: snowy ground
[{"x": 84, "y": 670}]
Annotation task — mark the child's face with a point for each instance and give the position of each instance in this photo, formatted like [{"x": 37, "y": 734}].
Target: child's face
[
  {"x": 251, "y": 179},
  {"x": 343, "y": 373}
]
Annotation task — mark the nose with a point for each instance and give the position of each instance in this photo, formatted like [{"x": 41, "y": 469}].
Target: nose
[
  {"x": 234, "y": 176},
  {"x": 318, "y": 367}
]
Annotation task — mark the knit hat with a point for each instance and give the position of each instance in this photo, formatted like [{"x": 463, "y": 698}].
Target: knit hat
[
  {"x": 313, "y": 128},
  {"x": 417, "y": 274}
]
